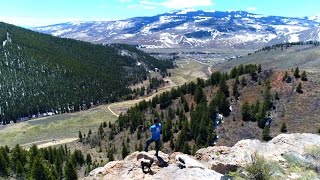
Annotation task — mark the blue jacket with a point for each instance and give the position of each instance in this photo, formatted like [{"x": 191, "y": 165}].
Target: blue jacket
[{"x": 156, "y": 131}]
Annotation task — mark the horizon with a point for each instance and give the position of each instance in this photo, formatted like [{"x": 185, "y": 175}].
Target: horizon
[{"x": 33, "y": 13}]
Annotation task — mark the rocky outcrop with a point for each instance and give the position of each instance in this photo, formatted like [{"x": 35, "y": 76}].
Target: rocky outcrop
[
  {"x": 176, "y": 166},
  {"x": 213, "y": 162},
  {"x": 224, "y": 159}
]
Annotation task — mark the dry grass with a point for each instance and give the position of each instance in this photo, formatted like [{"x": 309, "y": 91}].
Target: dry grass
[{"x": 55, "y": 127}]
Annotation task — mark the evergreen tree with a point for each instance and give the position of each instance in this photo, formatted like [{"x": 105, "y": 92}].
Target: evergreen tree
[
  {"x": 186, "y": 106},
  {"x": 88, "y": 159},
  {"x": 245, "y": 111},
  {"x": 224, "y": 87},
  {"x": 125, "y": 150},
  {"x": 304, "y": 76},
  {"x": 284, "y": 127},
  {"x": 4, "y": 161},
  {"x": 296, "y": 73},
  {"x": 199, "y": 95},
  {"x": 172, "y": 143},
  {"x": 80, "y": 136},
  {"x": 235, "y": 91},
  {"x": 39, "y": 170},
  {"x": 266, "y": 133},
  {"x": 299, "y": 88},
  {"x": 186, "y": 148},
  {"x": 182, "y": 137},
  {"x": 259, "y": 68},
  {"x": 70, "y": 172}
]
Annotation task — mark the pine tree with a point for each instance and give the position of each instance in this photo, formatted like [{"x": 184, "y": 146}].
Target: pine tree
[
  {"x": 186, "y": 106},
  {"x": 299, "y": 88},
  {"x": 186, "y": 148},
  {"x": 182, "y": 137},
  {"x": 304, "y": 76},
  {"x": 266, "y": 133},
  {"x": 4, "y": 164},
  {"x": 88, "y": 159},
  {"x": 245, "y": 111},
  {"x": 199, "y": 95},
  {"x": 284, "y": 127},
  {"x": 172, "y": 143},
  {"x": 259, "y": 68},
  {"x": 224, "y": 87},
  {"x": 235, "y": 92},
  {"x": 125, "y": 150},
  {"x": 39, "y": 171},
  {"x": 80, "y": 136},
  {"x": 70, "y": 172},
  {"x": 296, "y": 73}
]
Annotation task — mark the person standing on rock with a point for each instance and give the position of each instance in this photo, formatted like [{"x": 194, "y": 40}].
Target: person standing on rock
[{"x": 156, "y": 130}]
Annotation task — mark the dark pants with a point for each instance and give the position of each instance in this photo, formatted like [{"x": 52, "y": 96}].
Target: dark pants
[{"x": 149, "y": 141}]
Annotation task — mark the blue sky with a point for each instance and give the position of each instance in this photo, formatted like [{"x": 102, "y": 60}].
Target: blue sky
[{"x": 45, "y": 12}]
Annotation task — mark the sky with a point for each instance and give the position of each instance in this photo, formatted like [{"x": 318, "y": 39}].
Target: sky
[{"x": 29, "y": 13}]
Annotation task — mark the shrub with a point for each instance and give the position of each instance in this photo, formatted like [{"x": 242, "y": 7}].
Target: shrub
[{"x": 259, "y": 168}]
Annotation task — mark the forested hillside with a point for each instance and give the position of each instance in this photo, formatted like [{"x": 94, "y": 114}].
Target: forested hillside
[
  {"x": 41, "y": 73},
  {"x": 190, "y": 114}
]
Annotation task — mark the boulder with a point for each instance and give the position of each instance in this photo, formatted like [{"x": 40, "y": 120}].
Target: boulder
[{"x": 224, "y": 159}]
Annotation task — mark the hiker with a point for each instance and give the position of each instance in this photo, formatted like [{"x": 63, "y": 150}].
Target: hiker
[{"x": 156, "y": 130}]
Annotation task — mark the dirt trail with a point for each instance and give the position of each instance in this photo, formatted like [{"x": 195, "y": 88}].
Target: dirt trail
[
  {"x": 130, "y": 103},
  {"x": 50, "y": 142}
]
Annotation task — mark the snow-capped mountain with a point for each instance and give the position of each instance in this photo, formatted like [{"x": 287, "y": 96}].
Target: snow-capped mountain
[{"x": 191, "y": 28}]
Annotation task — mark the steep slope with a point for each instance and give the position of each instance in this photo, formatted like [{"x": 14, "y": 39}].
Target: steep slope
[
  {"x": 197, "y": 29},
  {"x": 41, "y": 73}
]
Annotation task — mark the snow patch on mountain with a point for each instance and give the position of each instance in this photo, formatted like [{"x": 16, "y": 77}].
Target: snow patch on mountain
[
  {"x": 126, "y": 36},
  {"x": 288, "y": 29},
  {"x": 8, "y": 40},
  {"x": 185, "y": 11},
  {"x": 60, "y": 32},
  {"x": 294, "y": 38},
  {"x": 118, "y": 25}
]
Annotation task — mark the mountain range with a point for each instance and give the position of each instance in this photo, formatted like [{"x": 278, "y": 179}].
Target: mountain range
[{"x": 193, "y": 28}]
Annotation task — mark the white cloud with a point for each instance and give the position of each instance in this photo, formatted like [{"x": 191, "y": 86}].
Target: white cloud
[
  {"x": 180, "y": 4},
  {"x": 251, "y": 9}
]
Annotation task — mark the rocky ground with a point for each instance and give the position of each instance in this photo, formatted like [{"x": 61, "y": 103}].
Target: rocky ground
[{"x": 288, "y": 156}]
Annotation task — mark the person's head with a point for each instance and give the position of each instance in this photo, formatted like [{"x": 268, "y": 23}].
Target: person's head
[{"x": 156, "y": 120}]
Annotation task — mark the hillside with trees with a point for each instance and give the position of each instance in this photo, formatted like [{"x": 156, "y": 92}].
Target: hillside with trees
[
  {"x": 255, "y": 104},
  {"x": 42, "y": 74}
]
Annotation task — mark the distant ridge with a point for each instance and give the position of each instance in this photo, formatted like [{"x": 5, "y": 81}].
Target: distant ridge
[{"x": 193, "y": 29}]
